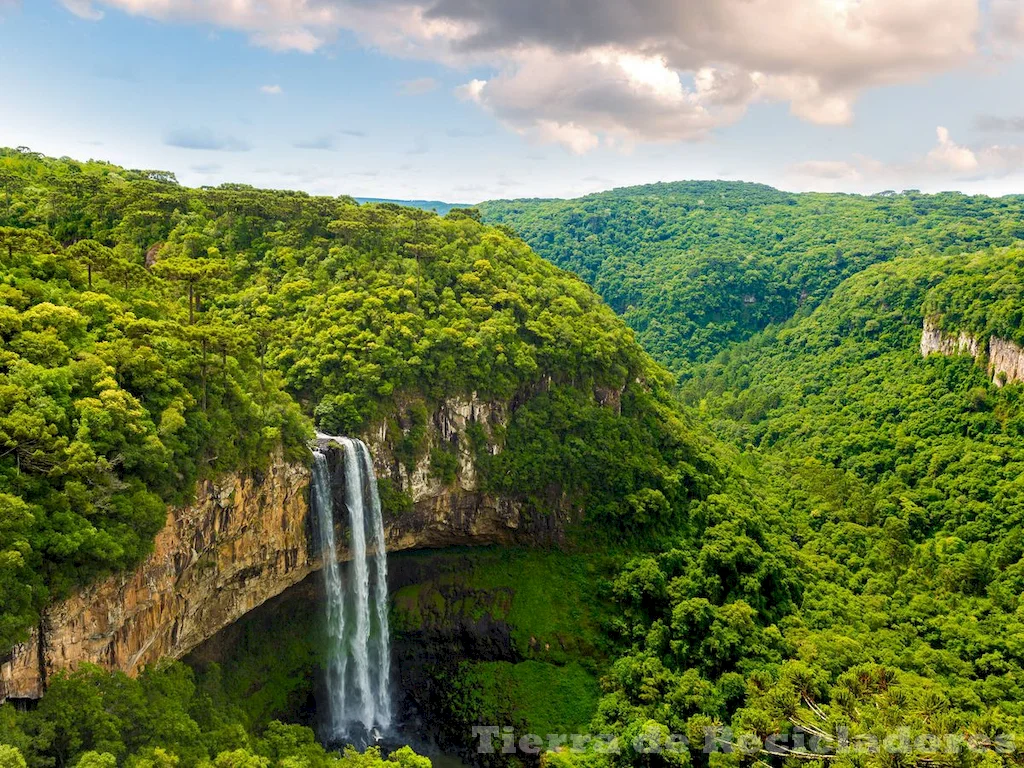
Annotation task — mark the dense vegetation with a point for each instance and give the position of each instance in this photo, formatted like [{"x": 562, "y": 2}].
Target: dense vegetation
[
  {"x": 152, "y": 334},
  {"x": 845, "y": 563},
  {"x": 483, "y": 634},
  {"x": 163, "y": 719},
  {"x": 869, "y": 583},
  {"x": 696, "y": 266}
]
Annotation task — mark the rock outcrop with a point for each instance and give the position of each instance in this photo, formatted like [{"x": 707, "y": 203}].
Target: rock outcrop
[
  {"x": 241, "y": 542},
  {"x": 1004, "y": 360},
  {"x": 245, "y": 539},
  {"x": 933, "y": 340}
]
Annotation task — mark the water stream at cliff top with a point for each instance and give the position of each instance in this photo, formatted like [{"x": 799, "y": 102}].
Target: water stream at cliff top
[{"x": 358, "y": 677}]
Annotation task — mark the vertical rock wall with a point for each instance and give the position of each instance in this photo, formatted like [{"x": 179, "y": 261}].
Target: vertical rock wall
[
  {"x": 246, "y": 539},
  {"x": 1005, "y": 359}
]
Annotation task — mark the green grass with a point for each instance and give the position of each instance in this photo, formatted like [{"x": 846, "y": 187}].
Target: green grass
[
  {"x": 550, "y": 599},
  {"x": 538, "y": 697}
]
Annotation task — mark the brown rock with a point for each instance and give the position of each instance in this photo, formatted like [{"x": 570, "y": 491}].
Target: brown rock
[{"x": 244, "y": 540}]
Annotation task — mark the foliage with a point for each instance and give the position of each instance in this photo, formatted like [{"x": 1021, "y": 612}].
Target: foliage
[
  {"x": 94, "y": 719},
  {"x": 696, "y": 266},
  {"x": 859, "y": 573},
  {"x": 152, "y": 335}
]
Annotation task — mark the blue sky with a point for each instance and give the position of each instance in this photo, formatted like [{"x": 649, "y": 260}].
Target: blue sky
[{"x": 466, "y": 102}]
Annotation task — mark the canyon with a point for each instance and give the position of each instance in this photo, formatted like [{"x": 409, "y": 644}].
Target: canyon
[{"x": 247, "y": 538}]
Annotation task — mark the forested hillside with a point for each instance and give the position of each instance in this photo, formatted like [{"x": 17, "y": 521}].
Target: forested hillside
[
  {"x": 817, "y": 537},
  {"x": 695, "y": 266},
  {"x": 873, "y": 592},
  {"x": 152, "y": 334}
]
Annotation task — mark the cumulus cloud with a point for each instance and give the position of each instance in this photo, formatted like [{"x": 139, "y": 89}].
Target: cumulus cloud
[
  {"x": 272, "y": 90},
  {"x": 418, "y": 86},
  {"x": 1007, "y": 25},
  {"x": 579, "y": 99},
  {"x": 590, "y": 72},
  {"x": 947, "y": 155},
  {"x": 946, "y": 160},
  {"x": 204, "y": 139}
]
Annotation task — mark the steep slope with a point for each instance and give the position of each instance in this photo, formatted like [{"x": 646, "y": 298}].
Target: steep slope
[
  {"x": 696, "y": 266},
  {"x": 154, "y": 335},
  {"x": 887, "y": 602}
]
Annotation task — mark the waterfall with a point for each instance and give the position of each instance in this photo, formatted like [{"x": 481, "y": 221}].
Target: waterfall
[{"x": 358, "y": 678}]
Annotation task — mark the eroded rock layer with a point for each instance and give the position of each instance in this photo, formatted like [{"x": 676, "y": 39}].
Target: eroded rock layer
[
  {"x": 246, "y": 539},
  {"x": 1005, "y": 359}
]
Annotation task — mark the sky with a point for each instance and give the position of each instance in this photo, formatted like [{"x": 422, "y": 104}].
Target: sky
[{"x": 468, "y": 100}]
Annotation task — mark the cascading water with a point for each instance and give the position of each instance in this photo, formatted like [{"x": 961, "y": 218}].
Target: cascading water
[{"x": 358, "y": 680}]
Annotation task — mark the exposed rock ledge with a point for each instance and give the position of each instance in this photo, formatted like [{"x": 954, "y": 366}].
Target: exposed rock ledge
[
  {"x": 244, "y": 540},
  {"x": 1005, "y": 362}
]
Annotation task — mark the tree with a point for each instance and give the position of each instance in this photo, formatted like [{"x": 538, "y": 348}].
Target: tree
[
  {"x": 10, "y": 181},
  {"x": 16, "y": 240},
  {"x": 195, "y": 273},
  {"x": 94, "y": 255},
  {"x": 11, "y": 757},
  {"x": 421, "y": 251},
  {"x": 124, "y": 267},
  {"x": 94, "y": 759}
]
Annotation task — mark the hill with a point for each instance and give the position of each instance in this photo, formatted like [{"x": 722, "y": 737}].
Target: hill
[
  {"x": 153, "y": 334},
  {"x": 862, "y": 582},
  {"x": 696, "y": 266},
  {"x": 435, "y": 206},
  {"x": 839, "y": 571}
]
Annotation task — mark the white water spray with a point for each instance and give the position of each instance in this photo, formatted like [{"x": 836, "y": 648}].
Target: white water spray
[{"x": 359, "y": 657}]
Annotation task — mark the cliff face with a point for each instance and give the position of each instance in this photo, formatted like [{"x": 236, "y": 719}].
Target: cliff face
[
  {"x": 1005, "y": 359},
  {"x": 934, "y": 340},
  {"x": 457, "y": 513},
  {"x": 241, "y": 542},
  {"x": 246, "y": 539}
]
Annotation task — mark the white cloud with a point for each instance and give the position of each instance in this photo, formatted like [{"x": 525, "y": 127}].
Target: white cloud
[
  {"x": 272, "y": 90},
  {"x": 576, "y": 100},
  {"x": 948, "y": 156},
  {"x": 575, "y": 138},
  {"x": 83, "y": 9},
  {"x": 946, "y": 161},
  {"x": 303, "y": 40},
  {"x": 827, "y": 169},
  {"x": 646, "y": 70}
]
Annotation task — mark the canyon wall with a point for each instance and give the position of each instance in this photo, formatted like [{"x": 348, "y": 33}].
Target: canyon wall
[
  {"x": 1004, "y": 359},
  {"x": 246, "y": 539},
  {"x": 242, "y": 541}
]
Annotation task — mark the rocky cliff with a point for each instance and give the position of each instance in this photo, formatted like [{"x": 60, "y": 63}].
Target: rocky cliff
[
  {"x": 1003, "y": 359},
  {"x": 242, "y": 541},
  {"x": 246, "y": 539}
]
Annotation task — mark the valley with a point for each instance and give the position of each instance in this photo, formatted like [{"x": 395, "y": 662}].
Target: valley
[{"x": 671, "y": 465}]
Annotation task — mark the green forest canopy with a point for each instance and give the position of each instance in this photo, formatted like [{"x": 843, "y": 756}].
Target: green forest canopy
[
  {"x": 694, "y": 266},
  {"x": 860, "y": 574},
  {"x": 152, "y": 334},
  {"x": 855, "y": 568}
]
